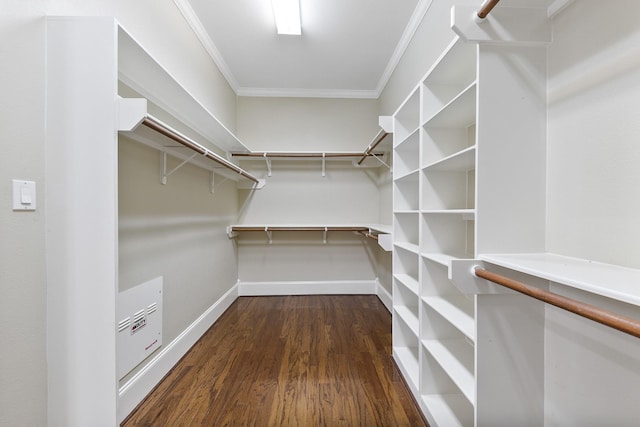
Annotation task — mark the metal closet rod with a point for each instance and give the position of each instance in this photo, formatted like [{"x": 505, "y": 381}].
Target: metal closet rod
[
  {"x": 301, "y": 155},
  {"x": 377, "y": 140},
  {"x": 624, "y": 324},
  {"x": 158, "y": 126},
  {"x": 486, "y": 8}
]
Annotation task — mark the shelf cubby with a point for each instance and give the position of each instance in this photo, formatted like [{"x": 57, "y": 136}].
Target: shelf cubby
[
  {"x": 405, "y": 193},
  {"x": 450, "y": 410},
  {"x": 407, "y": 118},
  {"x": 448, "y": 190},
  {"x": 405, "y": 157},
  {"x": 454, "y": 70},
  {"x": 406, "y": 350},
  {"x": 441, "y": 296},
  {"x": 440, "y": 143},
  {"x": 405, "y": 261},
  {"x": 448, "y": 235},
  {"x": 406, "y": 228},
  {"x": 408, "y": 282},
  {"x": 459, "y": 113}
]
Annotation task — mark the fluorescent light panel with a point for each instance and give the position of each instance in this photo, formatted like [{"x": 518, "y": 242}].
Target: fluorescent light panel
[{"x": 287, "y": 14}]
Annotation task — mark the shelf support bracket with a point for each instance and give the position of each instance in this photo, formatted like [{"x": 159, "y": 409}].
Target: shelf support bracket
[
  {"x": 269, "y": 235},
  {"x": 324, "y": 235},
  {"x": 324, "y": 172},
  {"x": 268, "y": 161},
  {"x": 166, "y": 174}
]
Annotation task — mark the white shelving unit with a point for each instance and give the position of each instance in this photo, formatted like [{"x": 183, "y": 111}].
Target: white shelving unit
[{"x": 453, "y": 154}]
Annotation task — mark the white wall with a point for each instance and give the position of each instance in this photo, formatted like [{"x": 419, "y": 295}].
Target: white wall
[
  {"x": 296, "y": 193},
  {"x": 594, "y": 99},
  {"x": 161, "y": 29},
  {"x": 177, "y": 231},
  {"x": 433, "y": 34},
  {"x": 592, "y": 374}
]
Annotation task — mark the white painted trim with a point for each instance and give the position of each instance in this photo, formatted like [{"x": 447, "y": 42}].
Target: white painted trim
[
  {"x": 384, "y": 296},
  {"x": 409, "y": 31},
  {"x": 137, "y": 388},
  {"x": 338, "y": 287},
  {"x": 306, "y": 93},
  {"x": 198, "y": 28}
]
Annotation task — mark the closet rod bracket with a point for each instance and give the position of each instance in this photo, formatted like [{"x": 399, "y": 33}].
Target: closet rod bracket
[{"x": 166, "y": 174}]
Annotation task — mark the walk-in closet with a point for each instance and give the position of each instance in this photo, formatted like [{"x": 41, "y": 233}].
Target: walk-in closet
[{"x": 397, "y": 213}]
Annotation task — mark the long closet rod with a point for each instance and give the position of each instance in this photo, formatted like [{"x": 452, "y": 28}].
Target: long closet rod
[
  {"x": 298, "y": 228},
  {"x": 301, "y": 155},
  {"x": 377, "y": 140},
  {"x": 486, "y": 8},
  {"x": 158, "y": 126},
  {"x": 624, "y": 324}
]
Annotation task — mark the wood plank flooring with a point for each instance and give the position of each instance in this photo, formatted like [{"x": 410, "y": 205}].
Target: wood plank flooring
[{"x": 287, "y": 361}]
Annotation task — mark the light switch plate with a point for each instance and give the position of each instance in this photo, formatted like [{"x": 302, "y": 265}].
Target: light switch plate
[{"x": 24, "y": 195}]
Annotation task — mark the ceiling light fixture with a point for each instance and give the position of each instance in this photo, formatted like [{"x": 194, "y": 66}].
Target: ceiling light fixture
[{"x": 287, "y": 14}]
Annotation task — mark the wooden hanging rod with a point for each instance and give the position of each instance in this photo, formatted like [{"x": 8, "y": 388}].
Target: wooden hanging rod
[
  {"x": 377, "y": 140},
  {"x": 299, "y": 228},
  {"x": 161, "y": 128},
  {"x": 486, "y": 8},
  {"x": 624, "y": 324},
  {"x": 300, "y": 155}
]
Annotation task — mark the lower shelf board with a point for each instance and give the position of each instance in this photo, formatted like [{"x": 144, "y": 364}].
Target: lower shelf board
[
  {"x": 456, "y": 357},
  {"x": 448, "y": 410},
  {"x": 452, "y": 311}
]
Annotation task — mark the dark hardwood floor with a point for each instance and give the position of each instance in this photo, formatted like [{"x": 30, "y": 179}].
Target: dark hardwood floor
[{"x": 287, "y": 361}]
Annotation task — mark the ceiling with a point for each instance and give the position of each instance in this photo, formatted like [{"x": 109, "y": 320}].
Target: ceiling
[{"x": 348, "y": 48}]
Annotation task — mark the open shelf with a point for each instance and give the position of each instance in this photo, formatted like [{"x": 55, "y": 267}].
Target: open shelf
[
  {"x": 450, "y": 410},
  {"x": 456, "y": 358},
  {"x": 459, "y": 113},
  {"x": 405, "y": 194},
  {"x": 406, "y": 158},
  {"x": 407, "y": 118},
  {"x": 463, "y": 160},
  {"x": 449, "y": 235},
  {"x": 611, "y": 281},
  {"x": 407, "y": 360},
  {"x": 456, "y": 310},
  {"x": 408, "y": 282},
  {"x": 406, "y": 229}
]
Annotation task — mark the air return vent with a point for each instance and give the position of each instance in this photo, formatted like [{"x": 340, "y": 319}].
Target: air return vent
[{"x": 140, "y": 330}]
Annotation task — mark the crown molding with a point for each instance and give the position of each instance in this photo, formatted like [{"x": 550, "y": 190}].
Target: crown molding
[
  {"x": 306, "y": 93},
  {"x": 409, "y": 31},
  {"x": 198, "y": 28}
]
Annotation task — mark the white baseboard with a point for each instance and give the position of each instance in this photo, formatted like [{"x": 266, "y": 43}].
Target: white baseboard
[
  {"x": 384, "y": 296},
  {"x": 338, "y": 287},
  {"x": 137, "y": 388}
]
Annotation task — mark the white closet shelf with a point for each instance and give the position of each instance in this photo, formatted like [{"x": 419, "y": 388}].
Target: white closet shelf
[
  {"x": 451, "y": 309},
  {"x": 467, "y": 214},
  {"x": 408, "y": 282},
  {"x": 408, "y": 316},
  {"x": 460, "y": 112},
  {"x": 141, "y": 72},
  {"x": 451, "y": 410},
  {"x": 611, "y": 281},
  {"x": 462, "y": 161},
  {"x": 379, "y": 232},
  {"x": 410, "y": 247},
  {"x": 444, "y": 259},
  {"x": 456, "y": 357}
]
